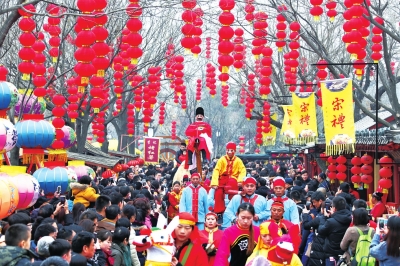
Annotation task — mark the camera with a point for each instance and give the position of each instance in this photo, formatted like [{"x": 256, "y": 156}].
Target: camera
[
  {"x": 62, "y": 199},
  {"x": 328, "y": 205}
]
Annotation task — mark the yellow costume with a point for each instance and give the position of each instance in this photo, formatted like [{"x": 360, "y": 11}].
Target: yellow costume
[{"x": 233, "y": 167}]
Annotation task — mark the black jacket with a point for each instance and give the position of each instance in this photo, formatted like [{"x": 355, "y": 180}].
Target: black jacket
[
  {"x": 264, "y": 191},
  {"x": 349, "y": 199},
  {"x": 333, "y": 230},
  {"x": 317, "y": 255}
]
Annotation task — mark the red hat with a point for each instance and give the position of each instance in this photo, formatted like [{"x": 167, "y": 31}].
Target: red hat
[
  {"x": 250, "y": 180},
  {"x": 212, "y": 214},
  {"x": 231, "y": 146},
  {"x": 185, "y": 178},
  {"x": 186, "y": 218},
  {"x": 284, "y": 249},
  {"x": 278, "y": 182},
  {"x": 278, "y": 203},
  {"x": 195, "y": 174}
]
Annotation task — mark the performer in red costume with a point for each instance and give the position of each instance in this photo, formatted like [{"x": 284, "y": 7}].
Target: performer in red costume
[
  {"x": 188, "y": 240},
  {"x": 214, "y": 236},
  {"x": 228, "y": 173},
  {"x": 287, "y": 227},
  {"x": 199, "y": 134}
]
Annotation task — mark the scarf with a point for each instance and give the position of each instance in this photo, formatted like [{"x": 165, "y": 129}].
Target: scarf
[{"x": 211, "y": 234}]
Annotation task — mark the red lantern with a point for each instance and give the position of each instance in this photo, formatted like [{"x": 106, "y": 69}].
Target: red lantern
[
  {"x": 356, "y": 179},
  {"x": 367, "y": 179},
  {"x": 356, "y": 160},
  {"x": 332, "y": 168},
  {"x": 366, "y": 159},
  {"x": 331, "y": 160},
  {"x": 341, "y": 159},
  {"x": 355, "y": 170},
  {"x": 107, "y": 174},
  {"x": 385, "y": 183},
  {"x": 385, "y": 172},
  {"x": 341, "y": 168},
  {"x": 341, "y": 176},
  {"x": 366, "y": 169},
  {"x": 386, "y": 161}
]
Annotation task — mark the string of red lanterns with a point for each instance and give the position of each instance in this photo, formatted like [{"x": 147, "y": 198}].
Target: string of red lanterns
[
  {"x": 198, "y": 90},
  {"x": 377, "y": 40},
  {"x": 266, "y": 72},
  {"x": 188, "y": 30},
  {"x": 39, "y": 70},
  {"x": 258, "y": 137},
  {"x": 54, "y": 30},
  {"x": 249, "y": 9},
  {"x": 332, "y": 168},
  {"x": 162, "y": 114},
  {"x": 250, "y": 95},
  {"x": 173, "y": 130},
  {"x": 281, "y": 32},
  {"x": 197, "y": 23},
  {"x": 224, "y": 95},
  {"x": 239, "y": 50},
  {"x": 331, "y": 12},
  {"x": 225, "y": 46},
  {"x": 322, "y": 74},
  {"x": 208, "y": 47},
  {"x": 134, "y": 25},
  {"x": 259, "y": 33},
  {"x": 27, "y": 25},
  {"x": 385, "y": 173},
  {"x": 210, "y": 79},
  {"x": 316, "y": 11},
  {"x": 366, "y": 170},
  {"x": 341, "y": 168}
]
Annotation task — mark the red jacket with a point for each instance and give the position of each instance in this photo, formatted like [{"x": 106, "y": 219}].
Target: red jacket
[{"x": 196, "y": 257}]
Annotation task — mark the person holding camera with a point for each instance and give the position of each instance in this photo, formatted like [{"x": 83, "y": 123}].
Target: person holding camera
[
  {"x": 333, "y": 226},
  {"x": 312, "y": 244}
]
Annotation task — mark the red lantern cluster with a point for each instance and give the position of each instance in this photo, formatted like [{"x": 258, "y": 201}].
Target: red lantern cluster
[
  {"x": 322, "y": 74},
  {"x": 173, "y": 130},
  {"x": 27, "y": 25},
  {"x": 39, "y": 70},
  {"x": 249, "y": 9},
  {"x": 198, "y": 90},
  {"x": 138, "y": 85},
  {"x": 331, "y": 13},
  {"x": 178, "y": 66},
  {"x": 225, "y": 46},
  {"x": 259, "y": 33},
  {"x": 258, "y": 139},
  {"x": 377, "y": 40},
  {"x": 98, "y": 127},
  {"x": 316, "y": 11},
  {"x": 239, "y": 50},
  {"x": 250, "y": 95},
  {"x": 341, "y": 168},
  {"x": 54, "y": 30},
  {"x": 58, "y": 122},
  {"x": 73, "y": 99},
  {"x": 356, "y": 171},
  {"x": 332, "y": 169},
  {"x": 118, "y": 82},
  {"x": 257, "y": 151},
  {"x": 265, "y": 72},
  {"x": 208, "y": 47},
  {"x": 241, "y": 144},
  {"x": 224, "y": 95},
  {"x": 197, "y": 23},
  {"x": 130, "y": 126},
  {"x": 161, "y": 114},
  {"x": 3, "y": 73},
  {"x": 134, "y": 25},
  {"x": 392, "y": 67},
  {"x": 385, "y": 173},
  {"x": 266, "y": 126},
  {"x": 366, "y": 170},
  {"x": 188, "y": 30},
  {"x": 281, "y": 32},
  {"x": 210, "y": 80}
]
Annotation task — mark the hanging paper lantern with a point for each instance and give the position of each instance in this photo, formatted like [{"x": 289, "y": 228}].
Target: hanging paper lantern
[
  {"x": 367, "y": 179},
  {"x": 341, "y": 168},
  {"x": 356, "y": 160},
  {"x": 281, "y": 32},
  {"x": 29, "y": 103},
  {"x": 8, "y": 135},
  {"x": 26, "y": 53},
  {"x": 331, "y": 13},
  {"x": 317, "y": 10},
  {"x": 8, "y": 97},
  {"x": 367, "y": 159},
  {"x": 331, "y": 160},
  {"x": 341, "y": 159},
  {"x": 366, "y": 169},
  {"x": 356, "y": 170},
  {"x": 385, "y": 184},
  {"x": 226, "y": 32},
  {"x": 341, "y": 176},
  {"x": 34, "y": 135},
  {"x": 3, "y": 73},
  {"x": 9, "y": 197},
  {"x": 25, "y": 188},
  {"x": 107, "y": 174},
  {"x": 50, "y": 179},
  {"x": 385, "y": 172},
  {"x": 355, "y": 179},
  {"x": 386, "y": 161}
]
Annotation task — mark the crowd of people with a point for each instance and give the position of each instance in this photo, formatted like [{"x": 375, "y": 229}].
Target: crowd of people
[{"x": 231, "y": 213}]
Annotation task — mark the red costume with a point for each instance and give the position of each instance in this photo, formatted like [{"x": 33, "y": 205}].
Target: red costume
[
  {"x": 191, "y": 253},
  {"x": 193, "y": 132},
  {"x": 173, "y": 199},
  {"x": 214, "y": 238}
]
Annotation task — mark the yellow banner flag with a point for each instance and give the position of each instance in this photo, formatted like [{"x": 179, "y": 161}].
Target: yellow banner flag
[
  {"x": 269, "y": 134},
  {"x": 306, "y": 126},
  {"x": 338, "y": 111},
  {"x": 288, "y": 125}
]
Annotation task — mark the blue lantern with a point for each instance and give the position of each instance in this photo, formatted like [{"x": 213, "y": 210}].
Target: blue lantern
[
  {"x": 50, "y": 179},
  {"x": 8, "y": 95},
  {"x": 35, "y": 134}
]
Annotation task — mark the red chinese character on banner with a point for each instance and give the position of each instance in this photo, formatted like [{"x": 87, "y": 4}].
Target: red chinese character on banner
[
  {"x": 304, "y": 107},
  {"x": 289, "y": 122},
  {"x": 289, "y": 112},
  {"x": 339, "y": 120},
  {"x": 304, "y": 119},
  {"x": 337, "y": 104}
]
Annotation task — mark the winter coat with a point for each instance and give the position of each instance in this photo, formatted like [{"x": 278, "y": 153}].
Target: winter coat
[
  {"x": 350, "y": 239},
  {"x": 104, "y": 258},
  {"x": 132, "y": 249},
  {"x": 333, "y": 230},
  {"x": 105, "y": 224},
  {"x": 15, "y": 256},
  {"x": 83, "y": 194},
  {"x": 317, "y": 255},
  {"x": 378, "y": 250},
  {"x": 120, "y": 253}
]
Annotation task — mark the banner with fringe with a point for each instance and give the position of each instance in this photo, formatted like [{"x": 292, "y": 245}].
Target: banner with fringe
[
  {"x": 269, "y": 134},
  {"x": 306, "y": 127},
  {"x": 338, "y": 111},
  {"x": 288, "y": 125}
]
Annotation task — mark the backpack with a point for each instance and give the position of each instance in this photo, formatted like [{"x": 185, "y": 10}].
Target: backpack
[{"x": 362, "y": 257}]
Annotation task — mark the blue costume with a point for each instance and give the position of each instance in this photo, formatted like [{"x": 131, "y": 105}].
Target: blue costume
[
  {"x": 194, "y": 201},
  {"x": 291, "y": 213},
  {"x": 259, "y": 203}
]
